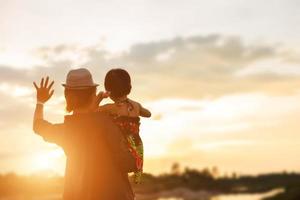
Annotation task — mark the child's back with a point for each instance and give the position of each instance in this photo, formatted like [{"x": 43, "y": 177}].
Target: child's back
[
  {"x": 126, "y": 113},
  {"x": 126, "y": 107}
]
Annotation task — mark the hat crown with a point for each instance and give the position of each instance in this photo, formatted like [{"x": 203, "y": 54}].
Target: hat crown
[{"x": 79, "y": 78}]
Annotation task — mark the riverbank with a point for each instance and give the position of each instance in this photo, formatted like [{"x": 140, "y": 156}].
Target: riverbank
[
  {"x": 178, "y": 193},
  {"x": 190, "y": 184},
  {"x": 187, "y": 194}
]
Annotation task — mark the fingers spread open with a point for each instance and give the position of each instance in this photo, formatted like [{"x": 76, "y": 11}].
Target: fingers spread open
[
  {"x": 42, "y": 83},
  {"x": 51, "y": 93},
  {"x": 46, "y": 82},
  {"x": 50, "y": 86},
  {"x": 35, "y": 85}
]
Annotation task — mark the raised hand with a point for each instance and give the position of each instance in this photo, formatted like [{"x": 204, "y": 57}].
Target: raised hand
[
  {"x": 98, "y": 98},
  {"x": 103, "y": 95},
  {"x": 44, "y": 92}
]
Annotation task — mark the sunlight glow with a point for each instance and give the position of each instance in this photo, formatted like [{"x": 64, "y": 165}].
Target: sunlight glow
[
  {"x": 224, "y": 144},
  {"x": 15, "y": 90},
  {"x": 18, "y": 59},
  {"x": 46, "y": 160}
]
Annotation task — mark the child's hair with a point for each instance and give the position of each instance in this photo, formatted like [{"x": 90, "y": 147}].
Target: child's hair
[{"x": 117, "y": 82}]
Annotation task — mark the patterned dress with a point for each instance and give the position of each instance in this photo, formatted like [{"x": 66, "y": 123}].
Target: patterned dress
[{"x": 130, "y": 127}]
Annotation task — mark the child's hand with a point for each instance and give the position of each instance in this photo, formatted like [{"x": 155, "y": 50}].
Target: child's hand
[
  {"x": 104, "y": 94},
  {"x": 98, "y": 98}
]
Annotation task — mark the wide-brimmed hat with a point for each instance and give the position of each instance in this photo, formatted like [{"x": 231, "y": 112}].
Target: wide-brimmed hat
[{"x": 79, "y": 79}]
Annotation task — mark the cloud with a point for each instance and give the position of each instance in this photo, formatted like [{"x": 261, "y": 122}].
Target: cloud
[
  {"x": 193, "y": 67},
  {"x": 253, "y": 126},
  {"x": 195, "y": 86},
  {"x": 199, "y": 66}
]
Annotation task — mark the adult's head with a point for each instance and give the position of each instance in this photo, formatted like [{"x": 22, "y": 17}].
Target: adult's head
[
  {"x": 80, "y": 89},
  {"x": 118, "y": 83}
]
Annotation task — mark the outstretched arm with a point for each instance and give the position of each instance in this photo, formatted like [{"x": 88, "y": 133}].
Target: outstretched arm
[
  {"x": 50, "y": 132},
  {"x": 144, "y": 112}
]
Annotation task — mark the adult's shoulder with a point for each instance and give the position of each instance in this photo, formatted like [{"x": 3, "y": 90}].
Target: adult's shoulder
[
  {"x": 101, "y": 115},
  {"x": 88, "y": 118},
  {"x": 116, "y": 142},
  {"x": 105, "y": 120}
]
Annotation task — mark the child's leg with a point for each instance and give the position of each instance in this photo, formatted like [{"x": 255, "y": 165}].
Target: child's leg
[
  {"x": 137, "y": 146},
  {"x": 139, "y": 173}
]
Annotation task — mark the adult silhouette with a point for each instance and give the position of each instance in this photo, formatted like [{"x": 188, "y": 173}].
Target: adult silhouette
[{"x": 98, "y": 159}]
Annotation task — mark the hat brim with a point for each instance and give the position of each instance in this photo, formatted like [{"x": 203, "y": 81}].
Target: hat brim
[{"x": 79, "y": 87}]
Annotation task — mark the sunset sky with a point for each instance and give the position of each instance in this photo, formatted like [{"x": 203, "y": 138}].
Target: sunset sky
[{"x": 222, "y": 78}]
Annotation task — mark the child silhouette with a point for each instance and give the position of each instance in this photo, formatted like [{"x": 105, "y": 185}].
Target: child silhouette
[{"x": 126, "y": 113}]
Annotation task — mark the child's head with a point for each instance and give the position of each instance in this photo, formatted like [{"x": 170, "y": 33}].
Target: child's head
[{"x": 118, "y": 83}]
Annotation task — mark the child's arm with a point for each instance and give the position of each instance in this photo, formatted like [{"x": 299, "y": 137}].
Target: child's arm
[
  {"x": 105, "y": 108},
  {"x": 97, "y": 100},
  {"x": 144, "y": 112}
]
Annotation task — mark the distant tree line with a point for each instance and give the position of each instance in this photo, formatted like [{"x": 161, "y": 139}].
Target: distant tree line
[
  {"x": 193, "y": 179},
  {"x": 209, "y": 179}
]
